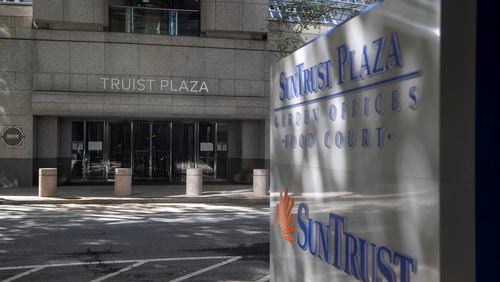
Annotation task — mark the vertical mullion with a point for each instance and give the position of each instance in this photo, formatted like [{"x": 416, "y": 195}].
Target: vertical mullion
[
  {"x": 150, "y": 150},
  {"x": 170, "y": 155},
  {"x": 196, "y": 143},
  {"x": 215, "y": 149},
  {"x": 132, "y": 147},
  {"x": 84, "y": 159},
  {"x": 105, "y": 149}
]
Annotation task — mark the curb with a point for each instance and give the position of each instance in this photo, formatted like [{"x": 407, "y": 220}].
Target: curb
[{"x": 179, "y": 200}]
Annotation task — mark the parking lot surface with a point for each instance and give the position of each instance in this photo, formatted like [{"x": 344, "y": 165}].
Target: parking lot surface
[{"x": 134, "y": 242}]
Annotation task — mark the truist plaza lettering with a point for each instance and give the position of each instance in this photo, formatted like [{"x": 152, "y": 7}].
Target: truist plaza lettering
[
  {"x": 350, "y": 65},
  {"x": 154, "y": 85},
  {"x": 364, "y": 260}
]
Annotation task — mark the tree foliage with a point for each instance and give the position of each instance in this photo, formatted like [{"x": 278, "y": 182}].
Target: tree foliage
[{"x": 300, "y": 16}]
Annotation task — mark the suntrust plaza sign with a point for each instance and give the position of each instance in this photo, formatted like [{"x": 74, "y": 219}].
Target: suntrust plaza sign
[{"x": 355, "y": 139}]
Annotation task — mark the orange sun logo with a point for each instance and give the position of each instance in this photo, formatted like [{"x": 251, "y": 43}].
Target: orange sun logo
[{"x": 283, "y": 217}]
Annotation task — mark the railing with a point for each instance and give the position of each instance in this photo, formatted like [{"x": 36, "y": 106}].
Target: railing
[
  {"x": 154, "y": 20},
  {"x": 17, "y": 2}
]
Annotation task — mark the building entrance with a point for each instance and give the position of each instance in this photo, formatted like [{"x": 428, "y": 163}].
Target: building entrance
[
  {"x": 152, "y": 154},
  {"x": 155, "y": 150},
  {"x": 183, "y": 148}
]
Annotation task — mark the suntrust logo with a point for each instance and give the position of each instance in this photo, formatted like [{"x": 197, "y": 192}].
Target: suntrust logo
[
  {"x": 332, "y": 243},
  {"x": 283, "y": 216},
  {"x": 358, "y": 257}
]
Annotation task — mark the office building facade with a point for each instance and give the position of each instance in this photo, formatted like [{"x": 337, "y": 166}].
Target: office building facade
[{"x": 88, "y": 86}]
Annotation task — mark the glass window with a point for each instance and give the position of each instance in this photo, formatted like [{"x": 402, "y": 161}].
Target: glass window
[
  {"x": 77, "y": 138},
  {"x": 170, "y": 17},
  {"x": 167, "y": 4},
  {"x": 118, "y": 20},
  {"x": 207, "y": 146},
  {"x": 150, "y": 21},
  {"x": 222, "y": 149},
  {"x": 188, "y": 23},
  {"x": 186, "y": 5},
  {"x": 16, "y": 1}
]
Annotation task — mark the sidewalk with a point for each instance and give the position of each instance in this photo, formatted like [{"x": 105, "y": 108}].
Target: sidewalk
[{"x": 103, "y": 194}]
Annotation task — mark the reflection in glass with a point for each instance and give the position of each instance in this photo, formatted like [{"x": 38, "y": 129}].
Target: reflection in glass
[
  {"x": 153, "y": 149},
  {"x": 147, "y": 20},
  {"x": 161, "y": 150},
  {"x": 222, "y": 149},
  {"x": 183, "y": 149},
  {"x": 77, "y": 150},
  {"x": 141, "y": 150},
  {"x": 207, "y": 149},
  {"x": 119, "y": 147},
  {"x": 94, "y": 166},
  {"x": 150, "y": 21},
  {"x": 188, "y": 23}
]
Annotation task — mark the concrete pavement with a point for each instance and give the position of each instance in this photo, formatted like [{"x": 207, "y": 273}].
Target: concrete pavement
[
  {"x": 134, "y": 242},
  {"x": 103, "y": 194}
]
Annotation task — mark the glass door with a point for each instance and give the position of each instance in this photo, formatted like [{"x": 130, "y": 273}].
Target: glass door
[
  {"x": 151, "y": 150},
  {"x": 141, "y": 150},
  {"x": 94, "y": 164},
  {"x": 206, "y": 141},
  {"x": 222, "y": 151},
  {"x": 154, "y": 150},
  {"x": 77, "y": 150},
  {"x": 160, "y": 150},
  {"x": 118, "y": 146},
  {"x": 183, "y": 149}
]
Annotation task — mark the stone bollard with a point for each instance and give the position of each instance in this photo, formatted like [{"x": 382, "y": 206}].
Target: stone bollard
[
  {"x": 194, "y": 181},
  {"x": 47, "y": 182},
  {"x": 123, "y": 181},
  {"x": 260, "y": 182}
]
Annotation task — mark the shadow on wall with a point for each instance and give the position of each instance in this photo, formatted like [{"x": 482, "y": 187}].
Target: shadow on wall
[
  {"x": 15, "y": 172},
  {"x": 8, "y": 182},
  {"x": 63, "y": 174},
  {"x": 4, "y": 90}
]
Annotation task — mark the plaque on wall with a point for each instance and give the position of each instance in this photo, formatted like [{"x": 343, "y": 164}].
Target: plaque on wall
[{"x": 12, "y": 136}]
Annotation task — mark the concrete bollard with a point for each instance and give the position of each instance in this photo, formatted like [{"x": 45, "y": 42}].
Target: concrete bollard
[
  {"x": 260, "y": 182},
  {"x": 123, "y": 181},
  {"x": 47, "y": 182},
  {"x": 194, "y": 182}
]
